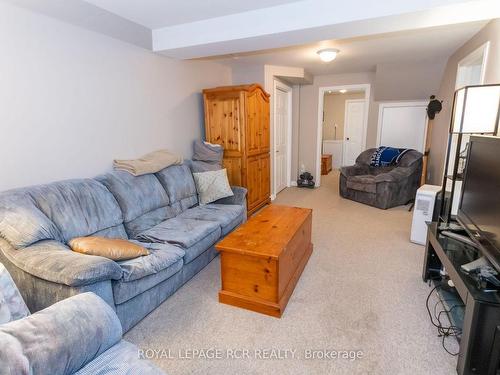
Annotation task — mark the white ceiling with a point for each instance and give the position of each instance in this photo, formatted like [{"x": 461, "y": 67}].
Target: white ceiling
[
  {"x": 364, "y": 53},
  {"x": 162, "y": 13},
  {"x": 367, "y": 34}
]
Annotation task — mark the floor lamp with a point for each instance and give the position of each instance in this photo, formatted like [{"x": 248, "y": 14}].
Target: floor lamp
[{"x": 476, "y": 110}]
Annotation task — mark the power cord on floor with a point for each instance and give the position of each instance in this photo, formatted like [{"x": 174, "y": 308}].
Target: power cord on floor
[{"x": 443, "y": 330}]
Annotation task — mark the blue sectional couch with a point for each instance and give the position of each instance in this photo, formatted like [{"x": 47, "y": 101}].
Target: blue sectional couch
[
  {"x": 80, "y": 335},
  {"x": 159, "y": 211}
]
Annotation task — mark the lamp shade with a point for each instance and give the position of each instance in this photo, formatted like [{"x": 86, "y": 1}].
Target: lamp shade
[{"x": 476, "y": 109}]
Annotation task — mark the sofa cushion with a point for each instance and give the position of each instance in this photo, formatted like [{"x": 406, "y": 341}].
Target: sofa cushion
[
  {"x": 161, "y": 256},
  {"x": 59, "y": 339},
  {"x": 179, "y": 184},
  {"x": 152, "y": 218},
  {"x": 180, "y": 231},
  {"x": 53, "y": 261},
  {"x": 164, "y": 261},
  {"x": 119, "y": 360},
  {"x": 126, "y": 290},
  {"x": 77, "y": 207},
  {"x": 364, "y": 183},
  {"x": 113, "y": 232},
  {"x": 201, "y": 246},
  {"x": 142, "y": 199},
  {"x": 228, "y": 216},
  {"x": 22, "y": 223}
]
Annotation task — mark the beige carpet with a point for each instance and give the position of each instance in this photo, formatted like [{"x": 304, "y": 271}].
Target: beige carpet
[{"x": 361, "y": 291}]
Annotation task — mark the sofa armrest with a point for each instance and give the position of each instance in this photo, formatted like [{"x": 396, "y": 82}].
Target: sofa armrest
[
  {"x": 355, "y": 170},
  {"x": 61, "y": 338},
  {"x": 239, "y": 197},
  {"x": 395, "y": 175},
  {"x": 54, "y": 261}
]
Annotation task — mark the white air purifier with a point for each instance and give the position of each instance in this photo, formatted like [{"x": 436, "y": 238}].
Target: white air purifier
[{"x": 422, "y": 212}]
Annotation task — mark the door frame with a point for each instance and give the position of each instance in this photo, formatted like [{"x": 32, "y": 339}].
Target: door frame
[
  {"x": 279, "y": 85},
  {"x": 482, "y": 50},
  {"x": 319, "y": 140},
  {"x": 345, "y": 122},
  {"x": 382, "y": 106}
]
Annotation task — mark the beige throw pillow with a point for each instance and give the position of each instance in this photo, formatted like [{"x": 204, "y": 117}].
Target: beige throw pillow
[
  {"x": 212, "y": 185},
  {"x": 114, "y": 249}
]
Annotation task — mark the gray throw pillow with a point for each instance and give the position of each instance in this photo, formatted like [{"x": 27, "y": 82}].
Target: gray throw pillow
[{"x": 212, "y": 185}]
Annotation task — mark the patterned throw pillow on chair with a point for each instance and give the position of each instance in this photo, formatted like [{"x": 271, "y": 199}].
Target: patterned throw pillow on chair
[{"x": 212, "y": 185}]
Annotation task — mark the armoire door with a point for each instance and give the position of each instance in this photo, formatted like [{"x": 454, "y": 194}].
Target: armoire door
[
  {"x": 254, "y": 177},
  {"x": 257, "y": 123},
  {"x": 253, "y": 124},
  {"x": 265, "y": 177},
  {"x": 265, "y": 133},
  {"x": 223, "y": 123}
]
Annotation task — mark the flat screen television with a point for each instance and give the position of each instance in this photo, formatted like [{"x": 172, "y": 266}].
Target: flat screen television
[{"x": 479, "y": 208}]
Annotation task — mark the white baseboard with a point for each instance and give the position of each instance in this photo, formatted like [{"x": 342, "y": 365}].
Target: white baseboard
[
  {"x": 273, "y": 197},
  {"x": 293, "y": 183}
]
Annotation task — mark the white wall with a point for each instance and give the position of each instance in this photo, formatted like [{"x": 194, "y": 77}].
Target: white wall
[
  {"x": 242, "y": 75},
  {"x": 409, "y": 80},
  {"x": 334, "y": 114},
  {"x": 440, "y": 126},
  {"x": 73, "y": 100}
]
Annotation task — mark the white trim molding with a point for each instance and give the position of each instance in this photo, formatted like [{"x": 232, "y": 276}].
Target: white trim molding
[
  {"x": 480, "y": 52},
  {"x": 366, "y": 87},
  {"x": 279, "y": 85}
]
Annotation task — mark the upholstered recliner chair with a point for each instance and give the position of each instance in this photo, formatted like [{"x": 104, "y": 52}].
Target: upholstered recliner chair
[
  {"x": 80, "y": 335},
  {"x": 382, "y": 187}
]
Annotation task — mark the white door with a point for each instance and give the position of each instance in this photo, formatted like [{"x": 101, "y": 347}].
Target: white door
[
  {"x": 402, "y": 125},
  {"x": 353, "y": 130},
  {"x": 281, "y": 138}
]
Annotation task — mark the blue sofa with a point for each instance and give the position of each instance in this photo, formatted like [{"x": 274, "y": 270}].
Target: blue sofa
[
  {"x": 159, "y": 211},
  {"x": 80, "y": 335}
]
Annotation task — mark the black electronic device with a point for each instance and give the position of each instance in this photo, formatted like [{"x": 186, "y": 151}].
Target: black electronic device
[
  {"x": 306, "y": 180},
  {"x": 479, "y": 208}
]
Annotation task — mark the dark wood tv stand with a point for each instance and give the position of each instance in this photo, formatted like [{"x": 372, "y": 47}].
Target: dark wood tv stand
[{"x": 480, "y": 342}]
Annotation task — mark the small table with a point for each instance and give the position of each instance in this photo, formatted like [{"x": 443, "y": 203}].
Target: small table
[
  {"x": 326, "y": 164},
  {"x": 262, "y": 260}
]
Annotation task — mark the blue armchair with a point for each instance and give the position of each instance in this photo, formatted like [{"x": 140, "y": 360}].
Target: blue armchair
[{"x": 79, "y": 335}]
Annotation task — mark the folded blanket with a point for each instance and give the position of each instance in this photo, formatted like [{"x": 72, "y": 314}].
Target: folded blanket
[
  {"x": 149, "y": 163},
  {"x": 386, "y": 156}
]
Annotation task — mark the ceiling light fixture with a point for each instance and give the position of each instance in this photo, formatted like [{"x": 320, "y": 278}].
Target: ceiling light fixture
[
  {"x": 328, "y": 54},
  {"x": 343, "y": 91}
]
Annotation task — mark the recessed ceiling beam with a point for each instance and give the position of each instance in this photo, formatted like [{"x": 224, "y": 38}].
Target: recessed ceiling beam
[{"x": 312, "y": 20}]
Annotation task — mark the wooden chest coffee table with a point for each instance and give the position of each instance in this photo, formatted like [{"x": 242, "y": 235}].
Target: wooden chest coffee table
[{"x": 262, "y": 260}]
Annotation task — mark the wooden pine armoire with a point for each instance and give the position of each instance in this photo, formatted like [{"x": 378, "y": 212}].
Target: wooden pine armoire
[{"x": 237, "y": 118}]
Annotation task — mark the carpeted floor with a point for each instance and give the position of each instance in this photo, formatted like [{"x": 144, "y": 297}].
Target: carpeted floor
[{"x": 361, "y": 291}]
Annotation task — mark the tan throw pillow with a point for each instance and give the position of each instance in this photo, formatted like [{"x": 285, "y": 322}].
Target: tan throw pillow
[
  {"x": 114, "y": 249},
  {"x": 212, "y": 185}
]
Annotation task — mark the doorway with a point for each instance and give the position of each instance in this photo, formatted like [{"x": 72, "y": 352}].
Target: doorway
[
  {"x": 402, "y": 125},
  {"x": 342, "y": 124},
  {"x": 282, "y": 135},
  {"x": 353, "y": 130}
]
